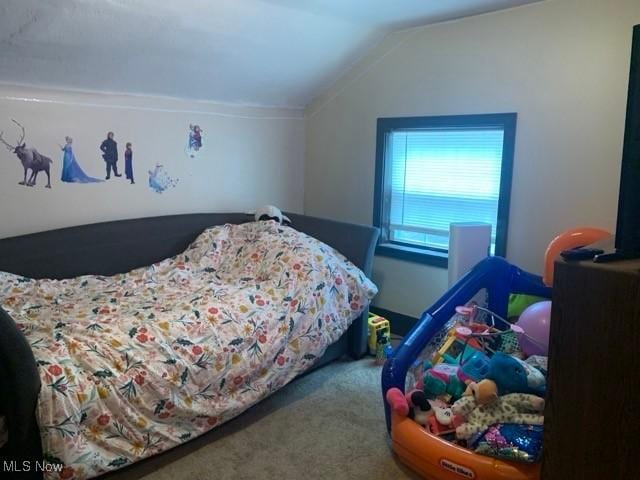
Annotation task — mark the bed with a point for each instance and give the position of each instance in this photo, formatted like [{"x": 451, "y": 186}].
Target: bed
[{"x": 95, "y": 257}]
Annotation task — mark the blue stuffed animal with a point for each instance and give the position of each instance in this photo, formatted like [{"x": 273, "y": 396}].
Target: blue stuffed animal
[{"x": 512, "y": 375}]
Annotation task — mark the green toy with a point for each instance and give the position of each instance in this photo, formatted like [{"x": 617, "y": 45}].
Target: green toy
[
  {"x": 442, "y": 381},
  {"x": 519, "y": 302}
]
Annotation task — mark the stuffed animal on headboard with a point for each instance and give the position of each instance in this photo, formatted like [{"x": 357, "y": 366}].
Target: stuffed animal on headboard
[{"x": 270, "y": 212}]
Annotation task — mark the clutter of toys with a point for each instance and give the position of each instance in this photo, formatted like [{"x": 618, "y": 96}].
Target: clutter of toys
[
  {"x": 476, "y": 373},
  {"x": 482, "y": 386}
]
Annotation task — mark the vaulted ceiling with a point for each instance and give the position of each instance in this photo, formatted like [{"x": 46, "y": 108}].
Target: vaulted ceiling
[{"x": 265, "y": 52}]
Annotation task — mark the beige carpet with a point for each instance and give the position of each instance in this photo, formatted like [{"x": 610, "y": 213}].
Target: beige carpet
[{"x": 326, "y": 425}]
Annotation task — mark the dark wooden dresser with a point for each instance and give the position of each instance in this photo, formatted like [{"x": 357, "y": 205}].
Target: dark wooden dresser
[{"x": 592, "y": 415}]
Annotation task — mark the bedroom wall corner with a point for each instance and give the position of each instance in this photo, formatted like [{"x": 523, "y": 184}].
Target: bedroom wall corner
[
  {"x": 562, "y": 65},
  {"x": 250, "y": 156}
]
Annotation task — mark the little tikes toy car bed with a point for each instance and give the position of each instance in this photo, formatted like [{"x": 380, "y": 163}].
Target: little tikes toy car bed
[{"x": 431, "y": 456}]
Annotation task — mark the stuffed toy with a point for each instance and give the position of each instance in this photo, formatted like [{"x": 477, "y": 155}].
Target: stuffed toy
[
  {"x": 419, "y": 407},
  {"x": 435, "y": 415},
  {"x": 512, "y": 375},
  {"x": 442, "y": 412},
  {"x": 269, "y": 212},
  {"x": 442, "y": 421},
  {"x": 484, "y": 392},
  {"x": 520, "y": 408},
  {"x": 442, "y": 381},
  {"x": 413, "y": 405}
]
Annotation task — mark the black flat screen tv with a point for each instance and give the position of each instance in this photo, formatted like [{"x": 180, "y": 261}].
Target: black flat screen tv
[{"x": 627, "y": 241}]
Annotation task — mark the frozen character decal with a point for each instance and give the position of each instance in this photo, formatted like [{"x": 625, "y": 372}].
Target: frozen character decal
[
  {"x": 128, "y": 163},
  {"x": 109, "y": 149},
  {"x": 30, "y": 158},
  {"x": 159, "y": 180},
  {"x": 71, "y": 170},
  {"x": 195, "y": 140}
]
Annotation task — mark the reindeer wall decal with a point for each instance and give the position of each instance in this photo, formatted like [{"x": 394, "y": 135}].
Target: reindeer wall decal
[{"x": 30, "y": 158}]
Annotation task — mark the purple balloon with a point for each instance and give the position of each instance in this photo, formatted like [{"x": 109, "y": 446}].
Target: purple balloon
[{"x": 535, "y": 322}]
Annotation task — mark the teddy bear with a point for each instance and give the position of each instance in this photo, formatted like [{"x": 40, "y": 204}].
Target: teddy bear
[{"x": 481, "y": 407}]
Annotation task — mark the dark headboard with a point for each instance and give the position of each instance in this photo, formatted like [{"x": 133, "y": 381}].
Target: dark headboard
[{"x": 116, "y": 247}]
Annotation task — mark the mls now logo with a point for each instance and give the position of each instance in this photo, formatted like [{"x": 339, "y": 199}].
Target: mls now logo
[{"x": 14, "y": 466}]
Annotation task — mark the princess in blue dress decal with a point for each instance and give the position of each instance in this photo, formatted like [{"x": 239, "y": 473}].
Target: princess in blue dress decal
[{"x": 71, "y": 170}]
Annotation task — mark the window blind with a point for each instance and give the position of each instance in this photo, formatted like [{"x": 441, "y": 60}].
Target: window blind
[{"x": 440, "y": 176}]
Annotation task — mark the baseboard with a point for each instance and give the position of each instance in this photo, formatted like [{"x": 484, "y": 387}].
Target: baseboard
[{"x": 400, "y": 323}]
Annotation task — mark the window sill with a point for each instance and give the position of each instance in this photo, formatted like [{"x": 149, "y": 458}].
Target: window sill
[{"x": 410, "y": 254}]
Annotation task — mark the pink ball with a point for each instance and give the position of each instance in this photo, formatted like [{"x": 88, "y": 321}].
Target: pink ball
[{"x": 535, "y": 322}]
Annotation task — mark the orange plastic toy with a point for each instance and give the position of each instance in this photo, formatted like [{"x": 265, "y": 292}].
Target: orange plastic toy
[
  {"x": 447, "y": 461},
  {"x": 576, "y": 237}
]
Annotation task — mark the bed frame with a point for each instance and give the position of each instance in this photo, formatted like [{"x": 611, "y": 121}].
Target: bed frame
[{"x": 120, "y": 246}]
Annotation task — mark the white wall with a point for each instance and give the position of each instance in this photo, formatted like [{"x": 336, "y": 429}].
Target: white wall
[
  {"x": 563, "y": 65},
  {"x": 251, "y": 156}
]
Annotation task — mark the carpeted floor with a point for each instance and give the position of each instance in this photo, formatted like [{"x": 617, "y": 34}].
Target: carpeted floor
[{"x": 326, "y": 425}]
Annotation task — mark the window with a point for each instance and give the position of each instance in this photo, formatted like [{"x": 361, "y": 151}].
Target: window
[{"x": 433, "y": 171}]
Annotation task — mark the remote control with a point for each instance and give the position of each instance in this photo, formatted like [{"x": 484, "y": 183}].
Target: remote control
[{"x": 580, "y": 253}]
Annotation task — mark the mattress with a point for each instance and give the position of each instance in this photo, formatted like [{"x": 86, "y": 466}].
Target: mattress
[{"x": 134, "y": 364}]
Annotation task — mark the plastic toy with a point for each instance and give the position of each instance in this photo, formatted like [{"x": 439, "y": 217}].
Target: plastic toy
[
  {"x": 458, "y": 347},
  {"x": 576, "y": 237},
  {"x": 474, "y": 368},
  {"x": 388, "y": 350},
  {"x": 396, "y": 400},
  {"x": 518, "y": 303},
  {"x": 437, "y": 459},
  {"x": 377, "y": 323},
  {"x": 535, "y": 321},
  {"x": 509, "y": 342},
  {"x": 383, "y": 339},
  {"x": 428, "y": 454},
  {"x": 511, "y": 408}
]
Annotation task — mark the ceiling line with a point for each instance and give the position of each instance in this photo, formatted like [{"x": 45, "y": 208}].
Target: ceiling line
[
  {"x": 150, "y": 109},
  {"x": 312, "y": 110}
]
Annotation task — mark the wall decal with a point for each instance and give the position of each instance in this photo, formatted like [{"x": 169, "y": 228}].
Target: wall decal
[
  {"x": 159, "y": 180},
  {"x": 128, "y": 162},
  {"x": 30, "y": 158},
  {"x": 71, "y": 170},
  {"x": 109, "y": 148},
  {"x": 194, "y": 146}
]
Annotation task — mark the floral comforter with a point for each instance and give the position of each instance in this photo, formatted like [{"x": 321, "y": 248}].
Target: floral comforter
[{"x": 137, "y": 363}]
